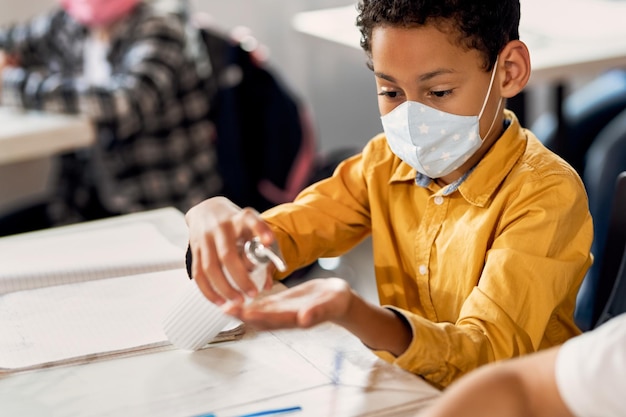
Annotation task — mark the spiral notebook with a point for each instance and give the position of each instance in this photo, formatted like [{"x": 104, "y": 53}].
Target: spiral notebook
[
  {"x": 83, "y": 322},
  {"x": 77, "y": 297},
  {"x": 56, "y": 259}
]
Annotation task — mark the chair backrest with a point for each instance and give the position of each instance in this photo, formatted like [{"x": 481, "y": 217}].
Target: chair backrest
[
  {"x": 616, "y": 304},
  {"x": 605, "y": 159},
  {"x": 586, "y": 112},
  {"x": 611, "y": 292},
  {"x": 266, "y": 144}
]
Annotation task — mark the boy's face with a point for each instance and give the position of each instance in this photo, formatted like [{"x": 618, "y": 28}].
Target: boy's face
[{"x": 424, "y": 64}]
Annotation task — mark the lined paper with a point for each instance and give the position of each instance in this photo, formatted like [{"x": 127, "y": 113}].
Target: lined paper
[
  {"x": 75, "y": 257},
  {"x": 83, "y": 321}
]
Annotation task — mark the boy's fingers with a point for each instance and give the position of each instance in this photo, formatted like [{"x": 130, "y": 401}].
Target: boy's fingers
[
  {"x": 214, "y": 284},
  {"x": 254, "y": 226},
  {"x": 233, "y": 265}
]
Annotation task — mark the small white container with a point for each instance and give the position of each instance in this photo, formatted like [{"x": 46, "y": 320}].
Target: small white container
[{"x": 195, "y": 321}]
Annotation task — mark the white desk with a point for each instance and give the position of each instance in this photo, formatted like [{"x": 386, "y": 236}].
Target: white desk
[
  {"x": 565, "y": 37},
  {"x": 262, "y": 371},
  {"x": 28, "y": 135}
]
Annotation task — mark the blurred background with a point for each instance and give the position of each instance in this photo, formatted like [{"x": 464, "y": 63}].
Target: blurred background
[{"x": 332, "y": 78}]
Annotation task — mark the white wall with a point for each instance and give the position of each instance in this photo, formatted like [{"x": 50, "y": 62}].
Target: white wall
[{"x": 12, "y": 10}]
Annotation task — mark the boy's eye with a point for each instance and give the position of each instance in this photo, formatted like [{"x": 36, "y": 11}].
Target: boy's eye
[
  {"x": 390, "y": 94},
  {"x": 441, "y": 94}
]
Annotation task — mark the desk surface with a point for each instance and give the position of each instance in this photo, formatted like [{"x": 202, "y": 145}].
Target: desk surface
[
  {"x": 324, "y": 370},
  {"x": 565, "y": 37},
  {"x": 262, "y": 371},
  {"x": 29, "y": 134}
]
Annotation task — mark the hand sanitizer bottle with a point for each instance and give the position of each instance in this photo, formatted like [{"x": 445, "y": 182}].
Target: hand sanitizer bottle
[{"x": 195, "y": 321}]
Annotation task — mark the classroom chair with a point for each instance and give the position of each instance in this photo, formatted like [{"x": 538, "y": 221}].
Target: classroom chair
[
  {"x": 616, "y": 303},
  {"x": 586, "y": 112},
  {"x": 605, "y": 159},
  {"x": 611, "y": 294},
  {"x": 602, "y": 294}
]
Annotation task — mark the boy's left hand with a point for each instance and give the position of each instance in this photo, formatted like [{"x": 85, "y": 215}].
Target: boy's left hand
[{"x": 303, "y": 306}]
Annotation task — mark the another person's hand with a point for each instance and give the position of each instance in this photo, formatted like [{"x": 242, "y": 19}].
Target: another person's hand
[
  {"x": 217, "y": 230},
  {"x": 303, "y": 306},
  {"x": 8, "y": 60}
]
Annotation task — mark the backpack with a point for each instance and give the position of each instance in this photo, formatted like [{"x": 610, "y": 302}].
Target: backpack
[{"x": 266, "y": 146}]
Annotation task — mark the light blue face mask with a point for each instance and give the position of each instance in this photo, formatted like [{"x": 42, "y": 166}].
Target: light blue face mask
[{"x": 434, "y": 142}]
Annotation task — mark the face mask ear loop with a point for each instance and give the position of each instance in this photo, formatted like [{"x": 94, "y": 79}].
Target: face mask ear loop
[
  {"x": 493, "y": 76},
  {"x": 494, "y": 118}
]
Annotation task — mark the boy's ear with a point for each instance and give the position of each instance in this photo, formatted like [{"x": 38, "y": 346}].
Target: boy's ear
[{"x": 515, "y": 59}]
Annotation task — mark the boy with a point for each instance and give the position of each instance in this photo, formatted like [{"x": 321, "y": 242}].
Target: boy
[{"x": 481, "y": 236}]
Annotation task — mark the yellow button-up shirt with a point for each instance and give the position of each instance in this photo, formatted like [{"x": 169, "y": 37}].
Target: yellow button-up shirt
[{"x": 488, "y": 272}]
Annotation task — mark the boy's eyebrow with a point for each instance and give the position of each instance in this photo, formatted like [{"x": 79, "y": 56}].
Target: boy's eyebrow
[
  {"x": 424, "y": 77},
  {"x": 435, "y": 73},
  {"x": 384, "y": 76}
]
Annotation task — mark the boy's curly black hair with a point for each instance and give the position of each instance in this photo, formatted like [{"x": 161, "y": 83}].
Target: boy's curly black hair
[{"x": 484, "y": 25}]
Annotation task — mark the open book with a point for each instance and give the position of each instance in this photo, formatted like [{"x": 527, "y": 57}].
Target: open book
[{"x": 101, "y": 292}]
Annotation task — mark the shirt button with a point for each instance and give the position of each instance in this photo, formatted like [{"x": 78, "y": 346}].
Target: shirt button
[
  {"x": 438, "y": 200},
  {"x": 423, "y": 269}
]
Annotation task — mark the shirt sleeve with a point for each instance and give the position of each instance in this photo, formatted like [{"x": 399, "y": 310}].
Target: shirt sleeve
[
  {"x": 22, "y": 39},
  {"x": 326, "y": 219},
  {"x": 146, "y": 71},
  {"x": 590, "y": 371},
  {"x": 33, "y": 44}
]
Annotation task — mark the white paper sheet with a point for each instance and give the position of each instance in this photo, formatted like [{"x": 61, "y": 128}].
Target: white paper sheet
[
  {"x": 80, "y": 322},
  {"x": 74, "y": 257}
]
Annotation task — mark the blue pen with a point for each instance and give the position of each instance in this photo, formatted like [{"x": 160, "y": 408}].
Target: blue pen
[{"x": 273, "y": 412}]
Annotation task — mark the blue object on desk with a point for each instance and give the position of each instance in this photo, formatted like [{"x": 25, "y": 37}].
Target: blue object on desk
[
  {"x": 273, "y": 412},
  {"x": 337, "y": 368}
]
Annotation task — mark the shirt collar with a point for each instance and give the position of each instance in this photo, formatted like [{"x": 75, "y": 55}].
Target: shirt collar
[
  {"x": 424, "y": 181},
  {"x": 493, "y": 168}
]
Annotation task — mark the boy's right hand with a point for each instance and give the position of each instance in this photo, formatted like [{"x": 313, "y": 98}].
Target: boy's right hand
[{"x": 217, "y": 230}]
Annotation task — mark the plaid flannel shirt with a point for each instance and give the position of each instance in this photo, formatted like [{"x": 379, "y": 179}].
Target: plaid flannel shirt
[{"x": 155, "y": 141}]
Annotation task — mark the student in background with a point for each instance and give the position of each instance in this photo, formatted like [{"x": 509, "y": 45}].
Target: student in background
[
  {"x": 481, "y": 236},
  {"x": 585, "y": 377},
  {"x": 126, "y": 67}
]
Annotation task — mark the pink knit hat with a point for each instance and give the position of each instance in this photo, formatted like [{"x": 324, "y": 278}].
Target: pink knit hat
[{"x": 98, "y": 12}]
